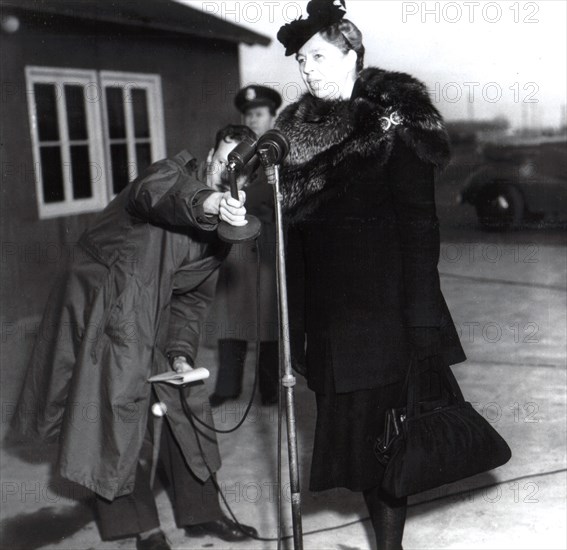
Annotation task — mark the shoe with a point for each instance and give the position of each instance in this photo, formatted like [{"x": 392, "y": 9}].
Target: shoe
[
  {"x": 217, "y": 400},
  {"x": 157, "y": 541},
  {"x": 223, "y": 529}
]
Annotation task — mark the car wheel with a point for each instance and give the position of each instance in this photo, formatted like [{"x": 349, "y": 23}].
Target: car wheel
[{"x": 500, "y": 207}]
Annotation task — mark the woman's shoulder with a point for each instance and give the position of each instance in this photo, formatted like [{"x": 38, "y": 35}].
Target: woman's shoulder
[
  {"x": 383, "y": 86},
  {"x": 383, "y": 92},
  {"x": 399, "y": 101}
]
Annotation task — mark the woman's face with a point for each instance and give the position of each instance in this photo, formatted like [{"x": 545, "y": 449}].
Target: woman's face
[{"x": 327, "y": 72}]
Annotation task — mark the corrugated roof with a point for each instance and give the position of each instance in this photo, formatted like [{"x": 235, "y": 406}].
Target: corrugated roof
[{"x": 165, "y": 15}]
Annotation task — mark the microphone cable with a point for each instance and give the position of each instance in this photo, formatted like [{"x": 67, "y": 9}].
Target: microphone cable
[
  {"x": 192, "y": 417},
  {"x": 257, "y": 357},
  {"x": 218, "y": 489}
]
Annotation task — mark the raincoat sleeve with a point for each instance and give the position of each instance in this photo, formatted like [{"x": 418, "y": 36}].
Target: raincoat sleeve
[
  {"x": 167, "y": 194},
  {"x": 188, "y": 313}
]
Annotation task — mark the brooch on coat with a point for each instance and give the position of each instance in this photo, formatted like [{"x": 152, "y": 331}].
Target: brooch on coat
[{"x": 386, "y": 122}]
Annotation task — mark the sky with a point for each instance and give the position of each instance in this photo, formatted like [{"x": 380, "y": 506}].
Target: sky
[{"x": 480, "y": 59}]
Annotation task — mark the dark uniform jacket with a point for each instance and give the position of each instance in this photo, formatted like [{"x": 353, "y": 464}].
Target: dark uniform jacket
[
  {"x": 136, "y": 293},
  {"x": 363, "y": 236},
  {"x": 234, "y": 312}
]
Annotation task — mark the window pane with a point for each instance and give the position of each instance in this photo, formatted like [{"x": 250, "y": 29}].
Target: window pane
[
  {"x": 52, "y": 174},
  {"x": 115, "y": 109},
  {"x": 46, "y": 105},
  {"x": 119, "y": 159},
  {"x": 143, "y": 156},
  {"x": 140, "y": 107},
  {"x": 76, "y": 116},
  {"x": 80, "y": 172}
]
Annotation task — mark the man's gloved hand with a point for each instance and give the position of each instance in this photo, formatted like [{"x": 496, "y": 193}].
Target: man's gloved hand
[
  {"x": 180, "y": 364},
  {"x": 425, "y": 341},
  {"x": 226, "y": 208}
]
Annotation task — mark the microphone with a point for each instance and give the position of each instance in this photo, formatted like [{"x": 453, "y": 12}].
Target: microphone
[
  {"x": 242, "y": 154},
  {"x": 238, "y": 158},
  {"x": 273, "y": 143},
  {"x": 272, "y": 148}
]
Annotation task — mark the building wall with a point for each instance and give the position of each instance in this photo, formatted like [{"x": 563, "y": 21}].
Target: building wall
[{"x": 199, "y": 80}]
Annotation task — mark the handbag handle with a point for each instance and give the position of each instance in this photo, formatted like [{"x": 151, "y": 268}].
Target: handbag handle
[{"x": 412, "y": 380}]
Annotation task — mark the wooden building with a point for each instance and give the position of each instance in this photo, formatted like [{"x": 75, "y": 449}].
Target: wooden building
[{"x": 92, "y": 92}]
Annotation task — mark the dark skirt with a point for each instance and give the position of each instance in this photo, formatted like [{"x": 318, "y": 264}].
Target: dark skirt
[
  {"x": 346, "y": 429},
  {"x": 348, "y": 425}
]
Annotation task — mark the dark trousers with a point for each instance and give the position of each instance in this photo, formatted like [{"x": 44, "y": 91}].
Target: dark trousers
[
  {"x": 232, "y": 355},
  {"x": 194, "y": 502}
]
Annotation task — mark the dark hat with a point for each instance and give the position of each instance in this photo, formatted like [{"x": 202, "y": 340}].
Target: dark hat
[
  {"x": 322, "y": 14},
  {"x": 257, "y": 96}
]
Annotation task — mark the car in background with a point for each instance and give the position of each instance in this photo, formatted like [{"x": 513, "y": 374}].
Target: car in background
[{"x": 520, "y": 180}]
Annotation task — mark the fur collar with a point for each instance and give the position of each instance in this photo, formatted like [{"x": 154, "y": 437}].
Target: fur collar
[{"x": 327, "y": 136}]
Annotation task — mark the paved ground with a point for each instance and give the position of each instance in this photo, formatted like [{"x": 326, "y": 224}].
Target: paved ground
[{"x": 507, "y": 294}]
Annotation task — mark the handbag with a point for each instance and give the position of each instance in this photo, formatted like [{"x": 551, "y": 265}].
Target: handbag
[{"x": 433, "y": 442}]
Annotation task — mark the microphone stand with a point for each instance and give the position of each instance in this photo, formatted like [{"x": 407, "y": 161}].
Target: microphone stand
[
  {"x": 230, "y": 233},
  {"x": 288, "y": 379}
]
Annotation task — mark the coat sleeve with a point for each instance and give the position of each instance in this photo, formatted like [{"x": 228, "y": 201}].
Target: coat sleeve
[
  {"x": 295, "y": 276},
  {"x": 167, "y": 195},
  {"x": 412, "y": 188},
  {"x": 188, "y": 313}
]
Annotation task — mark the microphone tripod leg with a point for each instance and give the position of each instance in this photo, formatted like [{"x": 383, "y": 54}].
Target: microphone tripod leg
[{"x": 159, "y": 410}]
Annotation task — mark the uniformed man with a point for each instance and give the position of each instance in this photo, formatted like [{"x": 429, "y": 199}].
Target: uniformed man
[
  {"x": 235, "y": 302},
  {"x": 258, "y": 105}
]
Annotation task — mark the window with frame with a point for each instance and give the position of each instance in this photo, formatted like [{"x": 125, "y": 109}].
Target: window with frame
[
  {"x": 92, "y": 133},
  {"x": 133, "y": 116}
]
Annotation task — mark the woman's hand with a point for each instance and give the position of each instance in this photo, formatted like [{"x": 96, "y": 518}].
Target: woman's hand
[{"x": 226, "y": 208}]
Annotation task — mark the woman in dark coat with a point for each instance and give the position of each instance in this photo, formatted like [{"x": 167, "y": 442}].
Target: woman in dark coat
[{"x": 363, "y": 248}]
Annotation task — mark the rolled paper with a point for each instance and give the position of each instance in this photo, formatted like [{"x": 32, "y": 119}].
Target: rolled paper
[{"x": 180, "y": 378}]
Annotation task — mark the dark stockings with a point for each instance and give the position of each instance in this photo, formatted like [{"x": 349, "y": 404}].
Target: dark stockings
[{"x": 388, "y": 516}]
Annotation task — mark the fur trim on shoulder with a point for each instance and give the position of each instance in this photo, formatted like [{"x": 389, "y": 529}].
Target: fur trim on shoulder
[
  {"x": 326, "y": 136},
  {"x": 422, "y": 126}
]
